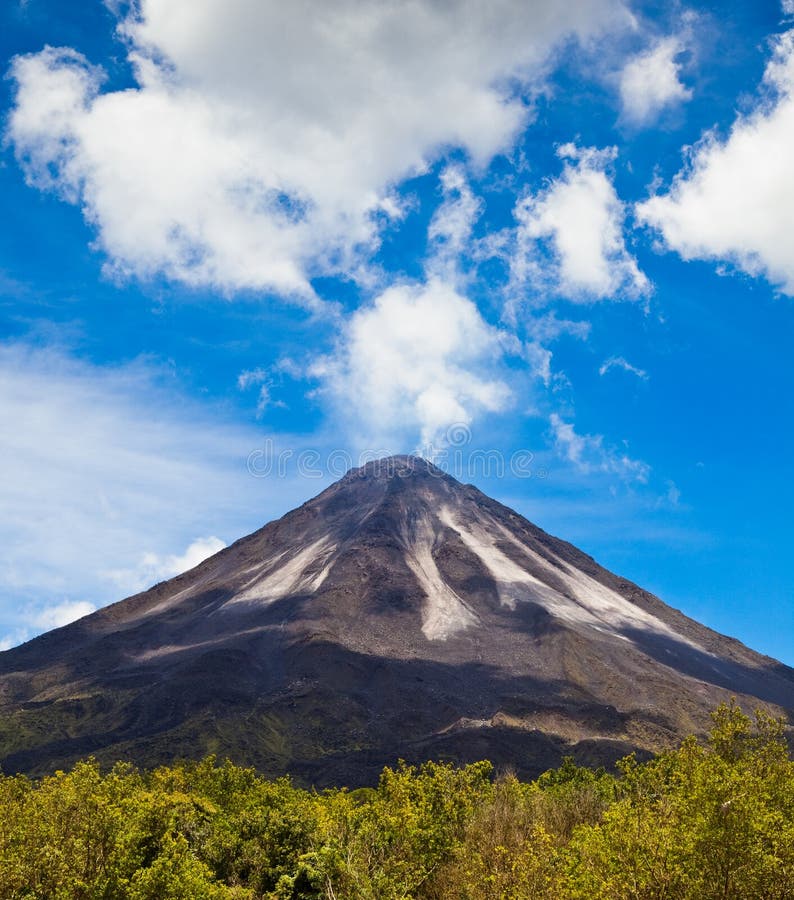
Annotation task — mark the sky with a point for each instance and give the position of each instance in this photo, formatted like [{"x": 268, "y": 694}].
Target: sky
[{"x": 247, "y": 244}]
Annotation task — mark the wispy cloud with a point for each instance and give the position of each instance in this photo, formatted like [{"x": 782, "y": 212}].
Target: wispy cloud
[
  {"x": 549, "y": 327},
  {"x": 618, "y": 362},
  {"x": 104, "y": 465},
  {"x": 588, "y": 453},
  {"x": 673, "y": 494},
  {"x": 450, "y": 230},
  {"x": 262, "y": 379}
]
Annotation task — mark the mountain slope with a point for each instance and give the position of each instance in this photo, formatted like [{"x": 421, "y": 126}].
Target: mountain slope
[{"x": 397, "y": 614}]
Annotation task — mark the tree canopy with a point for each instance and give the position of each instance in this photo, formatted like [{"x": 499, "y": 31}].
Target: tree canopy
[{"x": 710, "y": 820}]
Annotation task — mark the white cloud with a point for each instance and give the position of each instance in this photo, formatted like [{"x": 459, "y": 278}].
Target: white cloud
[
  {"x": 618, "y": 362},
  {"x": 252, "y": 377},
  {"x": 102, "y": 465},
  {"x": 450, "y": 229},
  {"x": 588, "y": 453},
  {"x": 673, "y": 494},
  {"x": 14, "y": 638},
  {"x": 539, "y": 359},
  {"x": 197, "y": 552},
  {"x": 420, "y": 358},
  {"x": 61, "y": 614},
  {"x": 570, "y": 234},
  {"x": 45, "y": 618},
  {"x": 788, "y": 7},
  {"x": 548, "y": 327},
  {"x": 263, "y": 380},
  {"x": 735, "y": 199},
  {"x": 153, "y": 567},
  {"x": 650, "y": 82},
  {"x": 543, "y": 330},
  {"x": 262, "y": 138}
]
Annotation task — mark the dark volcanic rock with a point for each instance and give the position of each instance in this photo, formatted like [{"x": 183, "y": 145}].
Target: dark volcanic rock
[{"x": 399, "y": 614}]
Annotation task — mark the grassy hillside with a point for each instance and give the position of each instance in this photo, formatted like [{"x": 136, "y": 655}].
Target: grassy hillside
[{"x": 708, "y": 820}]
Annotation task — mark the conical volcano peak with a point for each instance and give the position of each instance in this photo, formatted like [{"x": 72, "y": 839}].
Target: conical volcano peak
[
  {"x": 397, "y": 614},
  {"x": 398, "y": 466}
]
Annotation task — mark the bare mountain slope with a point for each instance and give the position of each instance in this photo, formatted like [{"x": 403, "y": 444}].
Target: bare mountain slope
[{"x": 398, "y": 614}]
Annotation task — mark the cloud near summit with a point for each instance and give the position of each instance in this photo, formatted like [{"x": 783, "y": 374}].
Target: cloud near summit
[
  {"x": 420, "y": 359},
  {"x": 266, "y": 138}
]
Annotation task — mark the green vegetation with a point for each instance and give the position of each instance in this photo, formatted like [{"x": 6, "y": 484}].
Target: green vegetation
[{"x": 706, "y": 821}]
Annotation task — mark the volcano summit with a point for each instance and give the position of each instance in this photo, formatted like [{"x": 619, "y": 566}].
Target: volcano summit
[{"x": 399, "y": 613}]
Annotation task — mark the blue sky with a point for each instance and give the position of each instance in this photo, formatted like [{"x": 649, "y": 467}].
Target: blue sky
[{"x": 560, "y": 233}]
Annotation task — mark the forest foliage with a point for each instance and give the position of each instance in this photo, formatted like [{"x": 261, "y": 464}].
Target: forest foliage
[{"x": 711, "y": 819}]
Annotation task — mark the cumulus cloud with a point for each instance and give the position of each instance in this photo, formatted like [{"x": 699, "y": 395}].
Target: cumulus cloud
[
  {"x": 33, "y": 619},
  {"x": 618, "y": 362},
  {"x": 197, "y": 552},
  {"x": 788, "y": 7},
  {"x": 588, "y": 453},
  {"x": 154, "y": 567},
  {"x": 61, "y": 614},
  {"x": 569, "y": 237},
  {"x": 262, "y": 140},
  {"x": 13, "y": 639},
  {"x": 734, "y": 201},
  {"x": 420, "y": 358},
  {"x": 650, "y": 82},
  {"x": 44, "y": 618}
]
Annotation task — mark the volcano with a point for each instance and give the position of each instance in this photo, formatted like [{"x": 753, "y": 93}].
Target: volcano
[{"x": 398, "y": 614}]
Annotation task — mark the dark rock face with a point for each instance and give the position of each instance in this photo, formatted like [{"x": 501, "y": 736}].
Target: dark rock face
[{"x": 399, "y": 614}]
